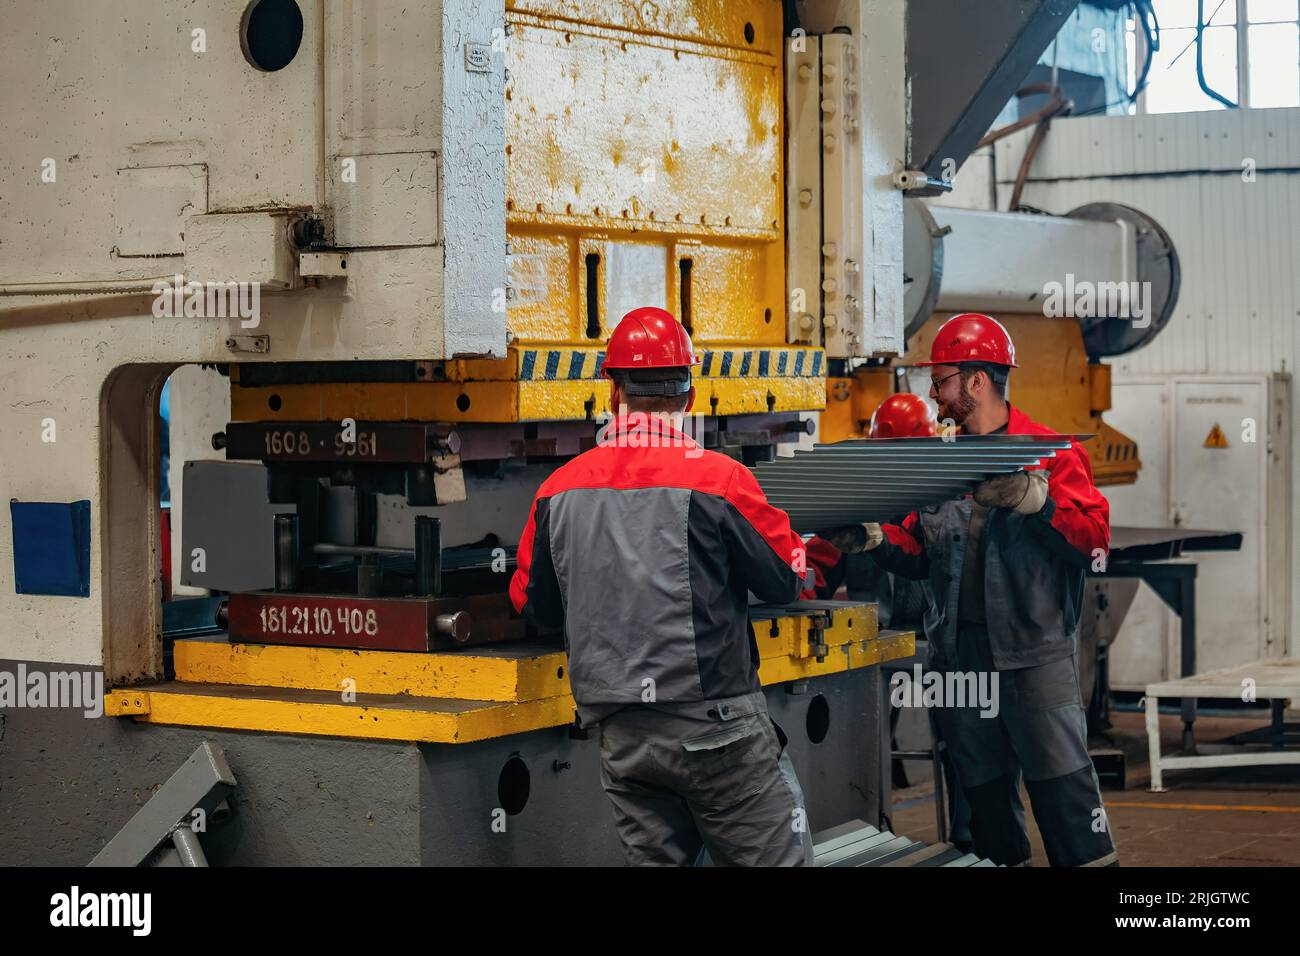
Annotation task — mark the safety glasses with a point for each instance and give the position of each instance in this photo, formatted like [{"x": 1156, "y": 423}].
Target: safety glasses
[{"x": 936, "y": 382}]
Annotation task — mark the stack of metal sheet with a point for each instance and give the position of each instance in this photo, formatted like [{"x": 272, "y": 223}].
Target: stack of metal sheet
[
  {"x": 883, "y": 479},
  {"x": 859, "y": 844}
]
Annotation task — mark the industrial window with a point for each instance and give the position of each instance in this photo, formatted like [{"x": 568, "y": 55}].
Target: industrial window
[{"x": 1189, "y": 55}]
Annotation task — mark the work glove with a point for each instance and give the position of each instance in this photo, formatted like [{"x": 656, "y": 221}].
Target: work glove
[
  {"x": 1024, "y": 492},
  {"x": 854, "y": 538}
]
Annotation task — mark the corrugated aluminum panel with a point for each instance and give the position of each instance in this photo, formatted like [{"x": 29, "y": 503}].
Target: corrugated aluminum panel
[
  {"x": 1098, "y": 147},
  {"x": 875, "y": 480},
  {"x": 857, "y": 843}
]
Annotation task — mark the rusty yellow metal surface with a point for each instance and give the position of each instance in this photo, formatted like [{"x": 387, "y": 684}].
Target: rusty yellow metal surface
[
  {"x": 1099, "y": 386},
  {"x": 644, "y": 148},
  {"x": 1056, "y": 385},
  {"x": 575, "y": 401},
  {"x": 503, "y": 401},
  {"x": 486, "y": 401},
  {"x": 638, "y": 136},
  {"x": 508, "y": 672},
  {"x": 711, "y": 22},
  {"x": 129, "y": 702},
  {"x": 324, "y": 713},
  {"x": 848, "y": 656},
  {"x": 851, "y": 401},
  {"x": 511, "y": 672},
  {"x": 547, "y": 286},
  {"x": 736, "y": 294},
  {"x": 298, "y": 690},
  {"x": 837, "y": 422},
  {"x": 790, "y": 636},
  {"x": 1115, "y": 461},
  {"x": 557, "y": 384},
  {"x": 888, "y": 646}
]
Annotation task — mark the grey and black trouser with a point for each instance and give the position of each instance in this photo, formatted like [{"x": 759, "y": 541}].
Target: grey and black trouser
[
  {"x": 710, "y": 776},
  {"x": 1040, "y": 726}
]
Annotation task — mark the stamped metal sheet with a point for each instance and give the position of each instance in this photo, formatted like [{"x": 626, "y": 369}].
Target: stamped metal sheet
[{"x": 882, "y": 479}]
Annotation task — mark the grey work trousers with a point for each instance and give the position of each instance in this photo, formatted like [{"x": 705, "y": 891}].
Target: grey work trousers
[
  {"x": 681, "y": 782},
  {"x": 1041, "y": 727}
]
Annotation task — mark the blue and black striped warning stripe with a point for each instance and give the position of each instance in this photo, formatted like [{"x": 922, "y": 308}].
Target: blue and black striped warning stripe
[{"x": 552, "y": 365}]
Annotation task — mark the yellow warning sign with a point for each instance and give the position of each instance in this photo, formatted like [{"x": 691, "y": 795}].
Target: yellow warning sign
[{"x": 1216, "y": 438}]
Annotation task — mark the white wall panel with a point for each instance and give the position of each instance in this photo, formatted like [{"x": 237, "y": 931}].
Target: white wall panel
[{"x": 1238, "y": 312}]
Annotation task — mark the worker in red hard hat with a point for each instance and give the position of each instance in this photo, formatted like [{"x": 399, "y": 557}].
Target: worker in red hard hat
[
  {"x": 900, "y": 601},
  {"x": 899, "y": 416},
  {"x": 1005, "y": 573},
  {"x": 904, "y": 416},
  {"x": 644, "y": 550}
]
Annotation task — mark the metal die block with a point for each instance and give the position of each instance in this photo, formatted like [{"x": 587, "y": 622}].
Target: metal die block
[
  {"x": 843, "y": 252},
  {"x": 803, "y": 187},
  {"x": 380, "y": 623},
  {"x": 372, "y": 442}
]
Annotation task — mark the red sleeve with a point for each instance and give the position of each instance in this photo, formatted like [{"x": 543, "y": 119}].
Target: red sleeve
[
  {"x": 828, "y": 567},
  {"x": 771, "y": 523},
  {"x": 906, "y": 535},
  {"x": 1077, "y": 511},
  {"x": 535, "y": 589},
  {"x": 903, "y": 550},
  {"x": 524, "y": 561}
]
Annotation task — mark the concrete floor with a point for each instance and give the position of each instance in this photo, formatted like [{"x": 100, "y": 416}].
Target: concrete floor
[{"x": 1242, "y": 817}]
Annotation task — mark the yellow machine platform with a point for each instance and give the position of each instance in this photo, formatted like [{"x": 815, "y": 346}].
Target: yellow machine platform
[{"x": 445, "y": 697}]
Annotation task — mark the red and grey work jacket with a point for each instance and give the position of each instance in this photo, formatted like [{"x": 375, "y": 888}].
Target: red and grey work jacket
[
  {"x": 1033, "y": 564},
  {"x": 644, "y": 549}
]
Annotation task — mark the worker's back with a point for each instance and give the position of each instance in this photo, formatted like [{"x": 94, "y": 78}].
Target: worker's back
[{"x": 645, "y": 549}]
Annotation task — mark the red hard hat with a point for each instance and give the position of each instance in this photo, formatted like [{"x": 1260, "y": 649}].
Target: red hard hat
[
  {"x": 649, "y": 338},
  {"x": 972, "y": 337},
  {"x": 904, "y": 416}
]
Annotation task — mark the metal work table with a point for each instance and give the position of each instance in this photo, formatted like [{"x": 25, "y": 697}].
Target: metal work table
[
  {"x": 1141, "y": 553},
  {"x": 1275, "y": 680}
]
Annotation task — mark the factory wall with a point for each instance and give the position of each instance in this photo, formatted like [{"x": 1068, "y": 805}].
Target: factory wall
[
  {"x": 136, "y": 132},
  {"x": 1226, "y": 187}
]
